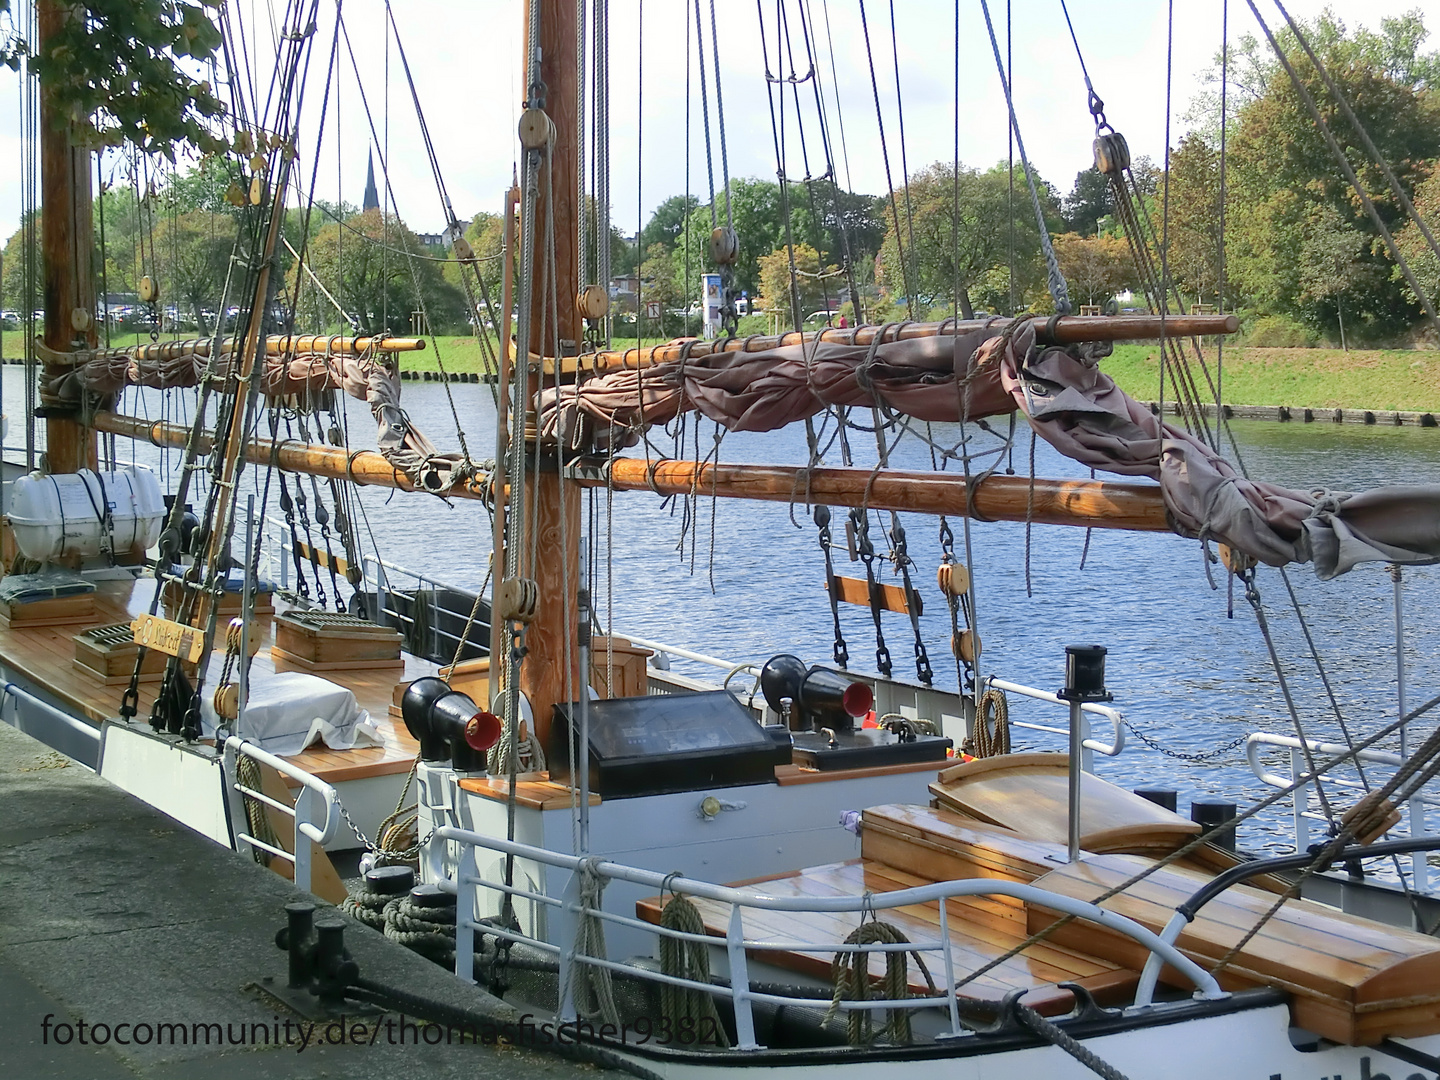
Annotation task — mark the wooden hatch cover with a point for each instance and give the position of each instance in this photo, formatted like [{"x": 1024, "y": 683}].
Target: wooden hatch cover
[{"x": 1029, "y": 793}]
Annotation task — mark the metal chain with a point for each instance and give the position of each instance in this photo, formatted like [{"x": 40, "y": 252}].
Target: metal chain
[
  {"x": 860, "y": 520},
  {"x": 1182, "y": 755},
  {"x": 822, "y": 519},
  {"x": 287, "y": 506},
  {"x": 912, "y": 599}
]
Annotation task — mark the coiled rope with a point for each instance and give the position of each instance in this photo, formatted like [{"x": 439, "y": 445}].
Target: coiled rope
[
  {"x": 687, "y": 960},
  {"x": 850, "y": 974},
  {"x": 429, "y": 931},
  {"x": 992, "y": 708},
  {"x": 257, "y": 820}
]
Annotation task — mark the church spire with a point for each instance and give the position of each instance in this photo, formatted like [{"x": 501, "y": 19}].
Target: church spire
[{"x": 372, "y": 197}]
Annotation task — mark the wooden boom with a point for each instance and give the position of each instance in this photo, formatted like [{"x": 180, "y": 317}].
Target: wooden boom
[
  {"x": 1068, "y": 330},
  {"x": 362, "y": 466},
  {"x": 275, "y": 345},
  {"x": 1098, "y": 504}
]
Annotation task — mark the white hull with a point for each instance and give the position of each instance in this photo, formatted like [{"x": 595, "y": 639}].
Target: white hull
[{"x": 1252, "y": 1044}]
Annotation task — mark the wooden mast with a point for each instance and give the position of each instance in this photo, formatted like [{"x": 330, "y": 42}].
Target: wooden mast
[
  {"x": 67, "y": 243},
  {"x": 550, "y": 641}
]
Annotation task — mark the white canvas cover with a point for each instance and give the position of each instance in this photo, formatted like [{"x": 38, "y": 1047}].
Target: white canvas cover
[{"x": 289, "y": 711}]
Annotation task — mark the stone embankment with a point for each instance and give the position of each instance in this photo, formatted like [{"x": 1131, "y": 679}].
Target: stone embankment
[{"x": 1297, "y": 414}]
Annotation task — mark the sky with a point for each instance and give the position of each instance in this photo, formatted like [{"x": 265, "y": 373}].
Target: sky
[{"x": 464, "y": 56}]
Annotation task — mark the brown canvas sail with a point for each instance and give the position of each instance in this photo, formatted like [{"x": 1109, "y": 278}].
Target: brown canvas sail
[{"x": 1070, "y": 402}]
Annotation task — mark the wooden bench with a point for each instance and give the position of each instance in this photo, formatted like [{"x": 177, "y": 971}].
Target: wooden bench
[{"x": 1354, "y": 981}]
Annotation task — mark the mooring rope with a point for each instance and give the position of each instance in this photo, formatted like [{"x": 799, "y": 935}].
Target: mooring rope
[{"x": 992, "y": 707}]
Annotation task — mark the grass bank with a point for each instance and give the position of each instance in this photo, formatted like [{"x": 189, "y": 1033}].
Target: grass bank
[{"x": 1391, "y": 379}]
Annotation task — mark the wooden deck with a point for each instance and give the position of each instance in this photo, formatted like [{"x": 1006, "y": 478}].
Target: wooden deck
[
  {"x": 1351, "y": 980},
  {"x": 45, "y": 654}
]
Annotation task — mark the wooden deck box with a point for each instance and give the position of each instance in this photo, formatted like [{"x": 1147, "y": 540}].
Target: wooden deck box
[
  {"x": 329, "y": 641},
  {"x": 108, "y": 653},
  {"x": 54, "y": 611}
]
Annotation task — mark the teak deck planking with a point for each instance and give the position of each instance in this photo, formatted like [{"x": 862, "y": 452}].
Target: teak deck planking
[{"x": 45, "y": 654}]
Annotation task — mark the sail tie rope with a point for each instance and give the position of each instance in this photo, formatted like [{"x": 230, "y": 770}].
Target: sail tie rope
[
  {"x": 687, "y": 960},
  {"x": 594, "y": 994}
]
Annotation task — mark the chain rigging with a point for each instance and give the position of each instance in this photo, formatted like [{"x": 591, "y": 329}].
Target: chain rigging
[
  {"x": 913, "y": 603},
  {"x": 865, "y": 549},
  {"x": 822, "y": 521}
]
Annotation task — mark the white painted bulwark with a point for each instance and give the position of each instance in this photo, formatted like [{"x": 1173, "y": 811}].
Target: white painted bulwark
[{"x": 184, "y": 782}]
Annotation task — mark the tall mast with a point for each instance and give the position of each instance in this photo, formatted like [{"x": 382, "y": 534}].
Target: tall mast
[
  {"x": 551, "y": 645},
  {"x": 67, "y": 243}
]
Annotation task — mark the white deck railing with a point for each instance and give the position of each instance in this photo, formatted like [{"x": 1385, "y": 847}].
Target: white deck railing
[
  {"x": 1302, "y": 815},
  {"x": 1088, "y": 709},
  {"x": 567, "y": 910},
  {"x": 314, "y": 799}
]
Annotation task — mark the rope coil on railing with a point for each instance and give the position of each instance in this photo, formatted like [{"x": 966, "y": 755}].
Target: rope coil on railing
[
  {"x": 991, "y": 708},
  {"x": 850, "y": 974},
  {"x": 687, "y": 960}
]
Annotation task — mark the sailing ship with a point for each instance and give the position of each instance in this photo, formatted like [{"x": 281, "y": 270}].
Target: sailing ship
[{"x": 1008, "y": 914}]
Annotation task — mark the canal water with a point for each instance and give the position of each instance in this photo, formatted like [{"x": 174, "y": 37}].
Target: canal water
[{"x": 747, "y": 582}]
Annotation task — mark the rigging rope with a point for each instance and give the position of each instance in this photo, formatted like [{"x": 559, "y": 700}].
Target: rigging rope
[{"x": 1054, "y": 279}]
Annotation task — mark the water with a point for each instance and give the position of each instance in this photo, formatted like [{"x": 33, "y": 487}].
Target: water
[{"x": 1183, "y": 672}]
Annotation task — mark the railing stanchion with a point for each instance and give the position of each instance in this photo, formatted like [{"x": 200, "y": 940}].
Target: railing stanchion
[
  {"x": 949, "y": 962},
  {"x": 1299, "y": 801},
  {"x": 466, "y": 874},
  {"x": 302, "y": 842},
  {"x": 740, "y": 980}
]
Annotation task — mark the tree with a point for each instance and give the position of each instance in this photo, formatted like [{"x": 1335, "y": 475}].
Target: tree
[
  {"x": 1329, "y": 261},
  {"x": 810, "y": 282},
  {"x": 376, "y": 286},
  {"x": 1095, "y": 267},
  {"x": 111, "y": 70},
  {"x": 1411, "y": 241},
  {"x": 192, "y": 256},
  {"x": 1194, "y": 229},
  {"x": 1283, "y": 179},
  {"x": 486, "y": 236},
  {"x": 667, "y": 224},
  {"x": 962, "y": 229},
  {"x": 755, "y": 208},
  {"x": 12, "y": 286},
  {"x": 660, "y": 284},
  {"x": 1088, "y": 202}
]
